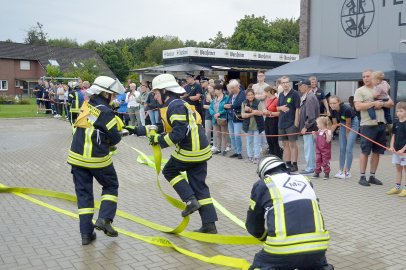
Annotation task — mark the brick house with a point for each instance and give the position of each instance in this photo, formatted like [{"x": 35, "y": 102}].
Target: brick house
[{"x": 21, "y": 65}]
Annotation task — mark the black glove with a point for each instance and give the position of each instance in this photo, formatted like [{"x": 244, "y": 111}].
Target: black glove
[
  {"x": 153, "y": 139},
  {"x": 139, "y": 131}
]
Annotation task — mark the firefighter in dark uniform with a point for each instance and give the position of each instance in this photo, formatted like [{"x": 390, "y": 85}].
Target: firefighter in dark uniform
[
  {"x": 90, "y": 158},
  {"x": 193, "y": 93},
  {"x": 183, "y": 129},
  {"x": 284, "y": 213},
  {"x": 75, "y": 101}
]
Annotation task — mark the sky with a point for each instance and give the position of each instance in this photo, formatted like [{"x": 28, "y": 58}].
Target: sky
[{"x": 104, "y": 20}]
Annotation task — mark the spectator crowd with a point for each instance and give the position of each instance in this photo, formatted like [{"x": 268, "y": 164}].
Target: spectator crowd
[{"x": 271, "y": 118}]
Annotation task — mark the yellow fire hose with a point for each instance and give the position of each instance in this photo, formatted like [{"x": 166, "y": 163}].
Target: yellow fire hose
[{"x": 155, "y": 162}]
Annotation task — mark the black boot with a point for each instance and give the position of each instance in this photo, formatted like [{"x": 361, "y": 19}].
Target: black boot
[
  {"x": 208, "y": 228},
  {"x": 192, "y": 205},
  {"x": 105, "y": 226},
  {"x": 88, "y": 238}
]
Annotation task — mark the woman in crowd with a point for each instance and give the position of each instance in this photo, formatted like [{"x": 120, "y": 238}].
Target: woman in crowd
[
  {"x": 144, "y": 91},
  {"x": 152, "y": 107},
  {"x": 208, "y": 126},
  {"x": 271, "y": 121},
  {"x": 219, "y": 119},
  {"x": 345, "y": 115},
  {"x": 253, "y": 125}
]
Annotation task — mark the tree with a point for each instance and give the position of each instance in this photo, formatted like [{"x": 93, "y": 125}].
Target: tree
[
  {"x": 36, "y": 35},
  {"x": 258, "y": 34},
  {"x": 219, "y": 41},
  {"x": 153, "y": 52},
  {"x": 128, "y": 58},
  {"x": 53, "y": 71},
  {"x": 114, "y": 59},
  {"x": 91, "y": 45},
  {"x": 288, "y": 33},
  {"x": 86, "y": 69},
  {"x": 63, "y": 42}
]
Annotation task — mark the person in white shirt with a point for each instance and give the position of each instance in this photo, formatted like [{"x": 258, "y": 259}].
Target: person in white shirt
[{"x": 133, "y": 105}]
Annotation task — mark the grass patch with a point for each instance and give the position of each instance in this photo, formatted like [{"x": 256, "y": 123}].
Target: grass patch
[{"x": 20, "y": 110}]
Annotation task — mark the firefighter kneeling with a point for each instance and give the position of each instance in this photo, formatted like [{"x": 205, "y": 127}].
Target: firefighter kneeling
[
  {"x": 96, "y": 130},
  {"x": 285, "y": 214},
  {"x": 182, "y": 127}
]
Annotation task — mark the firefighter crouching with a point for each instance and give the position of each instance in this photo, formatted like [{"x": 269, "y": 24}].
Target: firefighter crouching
[
  {"x": 95, "y": 131},
  {"x": 285, "y": 214},
  {"x": 184, "y": 131}
]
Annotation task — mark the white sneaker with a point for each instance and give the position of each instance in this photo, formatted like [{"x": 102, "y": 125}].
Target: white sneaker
[
  {"x": 340, "y": 175},
  {"x": 228, "y": 149},
  {"x": 347, "y": 175},
  {"x": 214, "y": 149}
]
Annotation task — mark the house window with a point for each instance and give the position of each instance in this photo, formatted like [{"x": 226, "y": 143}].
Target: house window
[
  {"x": 17, "y": 83},
  {"x": 3, "y": 85},
  {"x": 25, "y": 65},
  {"x": 53, "y": 62}
]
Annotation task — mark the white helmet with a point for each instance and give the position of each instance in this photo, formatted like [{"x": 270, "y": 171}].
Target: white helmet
[
  {"x": 168, "y": 82},
  {"x": 268, "y": 163},
  {"x": 105, "y": 84}
]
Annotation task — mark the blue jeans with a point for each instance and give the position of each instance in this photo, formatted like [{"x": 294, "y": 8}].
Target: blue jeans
[
  {"x": 154, "y": 116},
  {"x": 253, "y": 144},
  {"x": 309, "y": 152},
  {"x": 235, "y": 129},
  {"x": 346, "y": 144}
]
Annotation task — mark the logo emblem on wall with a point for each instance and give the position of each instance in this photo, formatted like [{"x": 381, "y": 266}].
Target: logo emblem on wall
[{"x": 357, "y": 17}]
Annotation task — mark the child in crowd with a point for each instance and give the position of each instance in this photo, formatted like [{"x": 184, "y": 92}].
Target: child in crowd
[
  {"x": 323, "y": 147},
  {"x": 398, "y": 147},
  {"x": 381, "y": 93}
]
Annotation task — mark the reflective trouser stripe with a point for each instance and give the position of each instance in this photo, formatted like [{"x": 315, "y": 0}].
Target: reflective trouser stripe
[
  {"x": 176, "y": 180},
  {"x": 85, "y": 211},
  {"x": 252, "y": 204},
  {"x": 298, "y": 248},
  {"x": 206, "y": 201},
  {"x": 108, "y": 197}
]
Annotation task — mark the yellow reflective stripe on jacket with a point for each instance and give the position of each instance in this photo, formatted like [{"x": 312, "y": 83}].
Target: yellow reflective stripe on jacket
[
  {"x": 75, "y": 108},
  {"x": 111, "y": 124},
  {"x": 85, "y": 211},
  {"x": 87, "y": 148},
  {"x": 279, "y": 209},
  {"x": 299, "y": 248},
  {"x": 89, "y": 162},
  {"x": 198, "y": 158},
  {"x": 298, "y": 239},
  {"x": 120, "y": 124},
  {"x": 252, "y": 204},
  {"x": 176, "y": 180},
  {"x": 194, "y": 153},
  {"x": 108, "y": 197},
  {"x": 206, "y": 201},
  {"x": 168, "y": 140},
  {"x": 177, "y": 117},
  {"x": 193, "y": 128},
  {"x": 89, "y": 159},
  {"x": 318, "y": 220}
]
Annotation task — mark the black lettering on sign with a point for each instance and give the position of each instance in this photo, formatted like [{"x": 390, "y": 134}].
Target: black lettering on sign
[
  {"x": 383, "y": 2},
  {"x": 397, "y": 2},
  {"x": 400, "y": 23}
]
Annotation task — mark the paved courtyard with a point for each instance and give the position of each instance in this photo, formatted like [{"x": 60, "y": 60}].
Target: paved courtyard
[{"x": 367, "y": 227}]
